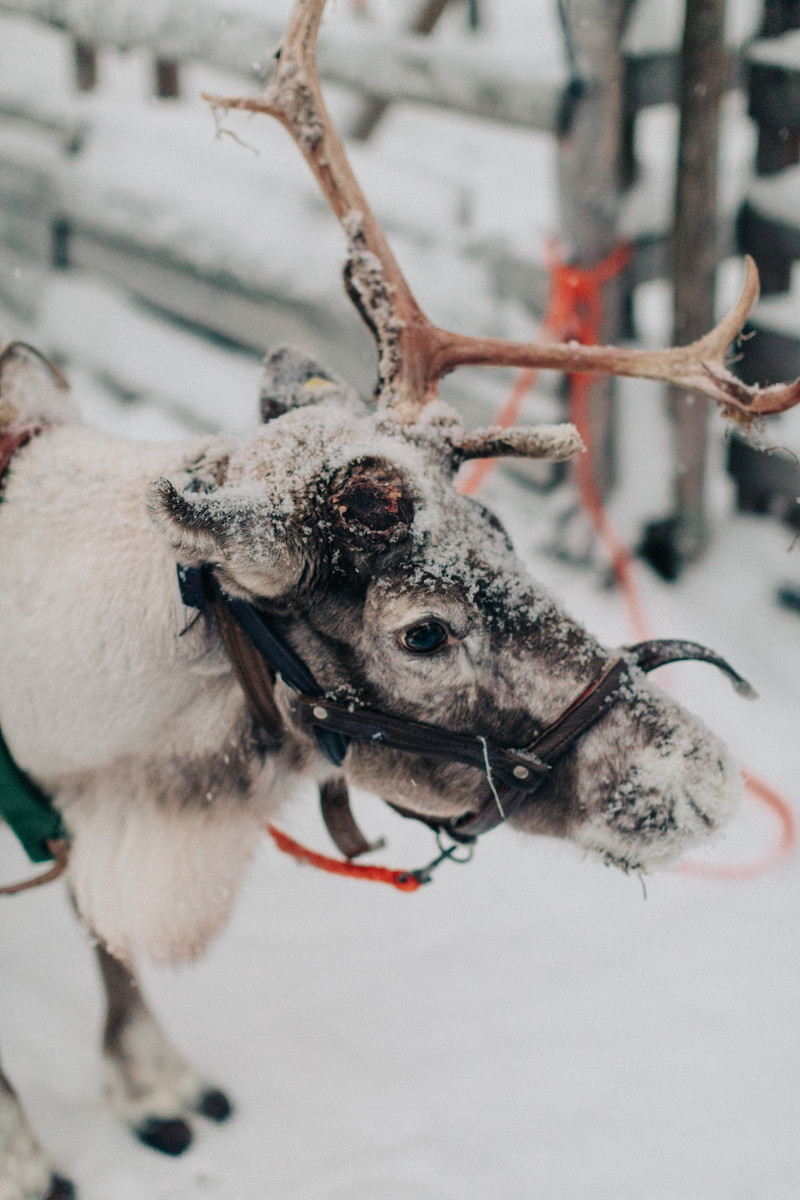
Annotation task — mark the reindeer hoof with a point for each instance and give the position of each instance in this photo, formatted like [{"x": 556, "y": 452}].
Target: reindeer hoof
[
  {"x": 215, "y": 1105},
  {"x": 170, "y": 1135},
  {"x": 60, "y": 1189}
]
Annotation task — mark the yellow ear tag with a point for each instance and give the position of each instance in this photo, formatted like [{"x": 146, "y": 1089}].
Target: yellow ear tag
[{"x": 316, "y": 381}]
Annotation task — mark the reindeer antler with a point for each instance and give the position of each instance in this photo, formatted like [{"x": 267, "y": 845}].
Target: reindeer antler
[{"x": 413, "y": 353}]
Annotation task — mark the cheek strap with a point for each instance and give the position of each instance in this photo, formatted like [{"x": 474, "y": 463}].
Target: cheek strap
[{"x": 259, "y": 654}]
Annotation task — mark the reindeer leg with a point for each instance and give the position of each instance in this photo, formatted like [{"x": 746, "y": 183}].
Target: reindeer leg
[
  {"x": 25, "y": 1173},
  {"x": 146, "y": 1081}
]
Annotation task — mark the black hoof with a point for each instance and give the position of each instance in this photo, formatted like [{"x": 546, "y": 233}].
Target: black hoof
[
  {"x": 215, "y": 1105},
  {"x": 60, "y": 1189},
  {"x": 169, "y": 1135}
]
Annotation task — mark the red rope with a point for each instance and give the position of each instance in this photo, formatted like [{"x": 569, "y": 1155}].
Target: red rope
[
  {"x": 787, "y": 822},
  {"x": 404, "y": 881},
  {"x": 575, "y": 312}
]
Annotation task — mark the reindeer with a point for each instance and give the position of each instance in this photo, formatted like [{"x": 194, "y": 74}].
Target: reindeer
[{"x": 190, "y": 628}]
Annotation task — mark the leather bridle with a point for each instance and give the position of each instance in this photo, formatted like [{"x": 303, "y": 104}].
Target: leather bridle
[{"x": 259, "y": 654}]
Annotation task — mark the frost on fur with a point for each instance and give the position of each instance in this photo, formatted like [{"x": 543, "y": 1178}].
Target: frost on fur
[{"x": 32, "y": 390}]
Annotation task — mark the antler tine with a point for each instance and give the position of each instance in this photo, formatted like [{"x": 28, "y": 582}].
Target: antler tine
[
  {"x": 413, "y": 353},
  {"x": 554, "y": 442},
  {"x": 373, "y": 278},
  {"x": 698, "y": 367}
]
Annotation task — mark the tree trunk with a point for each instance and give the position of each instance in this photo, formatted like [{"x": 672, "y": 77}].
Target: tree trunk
[
  {"x": 694, "y": 254},
  {"x": 590, "y": 173}
]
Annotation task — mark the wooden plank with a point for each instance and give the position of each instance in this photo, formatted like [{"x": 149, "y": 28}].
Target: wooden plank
[
  {"x": 459, "y": 75},
  {"x": 774, "y": 101},
  {"x": 654, "y": 78},
  {"x": 248, "y": 319},
  {"x": 773, "y": 243},
  {"x": 780, "y": 15},
  {"x": 771, "y": 355},
  {"x": 425, "y": 21},
  {"x": 774, "y": 94}
]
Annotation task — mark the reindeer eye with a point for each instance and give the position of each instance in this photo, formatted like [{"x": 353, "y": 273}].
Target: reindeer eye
[{"x": 425, "y": 637}]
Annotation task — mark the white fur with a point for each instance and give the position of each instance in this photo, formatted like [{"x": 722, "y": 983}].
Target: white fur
[
  {"x": 658, "y": 812},
  {"x": 96, "y": 681},
  {"x": 148, "y": 1078},
  {"x": 24, "y": 1170},
  {"x": 154, "y": 879}
]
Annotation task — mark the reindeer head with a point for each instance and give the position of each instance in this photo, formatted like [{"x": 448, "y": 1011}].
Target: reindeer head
[
  {"x": 340, "y": 521},
  {"x": 405, "y": 598}
]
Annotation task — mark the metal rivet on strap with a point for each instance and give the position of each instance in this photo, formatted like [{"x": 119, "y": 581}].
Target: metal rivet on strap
[
  {"x": 521, "y": 772},
  {"x": 319, "y": 712}
]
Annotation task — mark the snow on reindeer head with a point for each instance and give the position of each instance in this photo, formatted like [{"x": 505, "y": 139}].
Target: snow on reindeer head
[
  {"x": 401, "y": 595},
  {"x": 405, "y": 597}
]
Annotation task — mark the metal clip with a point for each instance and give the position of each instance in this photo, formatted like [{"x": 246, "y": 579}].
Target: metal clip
[{"x": 446, "y": 853}]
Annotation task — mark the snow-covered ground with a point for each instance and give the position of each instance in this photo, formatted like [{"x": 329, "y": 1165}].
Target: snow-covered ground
[{"x": 529, "y": 1026}]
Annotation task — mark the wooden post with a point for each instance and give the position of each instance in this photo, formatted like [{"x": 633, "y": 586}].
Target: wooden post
[
  {"x": 780, "y": 15},
  {"x": 778, "y": 146},
  {"x": 703, "y": 78},
  {"x": 166, "y": 78},
  {"x": 425, "y": 21},
  {"x": 85, "y": 57},
  {"x": 589, "y": 180}
]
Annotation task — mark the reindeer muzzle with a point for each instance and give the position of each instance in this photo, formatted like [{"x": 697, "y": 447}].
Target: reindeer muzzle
[
  {"x": 584, "y": 712},
  {"x": 259, "y": 653}
]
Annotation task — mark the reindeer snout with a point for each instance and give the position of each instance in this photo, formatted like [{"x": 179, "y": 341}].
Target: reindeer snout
[{"x": 657, "y": 782}]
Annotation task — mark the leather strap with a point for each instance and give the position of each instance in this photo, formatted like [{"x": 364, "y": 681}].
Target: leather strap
[
  {"x": 258, "y": 653},
  {"x": 549, "y": 746},
  {"x": 11, "y": 440},
  {"x": 516, "y": 768},
  {"x": 58, "y": 849},
  {"x": 582, "y": 713},
  {"x": 256, "y": 680},
  {"x": 334, "y": 799}
]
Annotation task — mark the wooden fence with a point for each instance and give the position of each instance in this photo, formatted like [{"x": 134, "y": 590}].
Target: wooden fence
[{"x": 44, "y": 222}]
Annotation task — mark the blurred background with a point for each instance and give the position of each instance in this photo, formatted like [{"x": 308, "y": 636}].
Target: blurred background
[
  {"x": 157, "y": 259},
  {"x": 526, "y": 1027}
]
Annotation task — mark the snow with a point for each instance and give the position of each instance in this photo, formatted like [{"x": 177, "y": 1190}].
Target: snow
[
  {"x": 530, "y": 1025},
  {"x": 776, "y": 196},
  {"x": 782, "y": 51}
]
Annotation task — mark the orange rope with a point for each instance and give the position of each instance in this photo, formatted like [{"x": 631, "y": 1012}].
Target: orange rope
[
  {"x": 787, "y": 821},
  {"x": 404, "y": 881},
  {"x": 575, "y": 312}
]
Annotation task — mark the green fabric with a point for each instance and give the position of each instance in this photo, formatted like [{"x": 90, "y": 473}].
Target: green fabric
[{"x": 27, "y": 809}]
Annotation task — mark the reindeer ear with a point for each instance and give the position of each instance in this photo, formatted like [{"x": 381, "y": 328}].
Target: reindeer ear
[
  {"x": 233, "y": 528},
  {"x": 291, "y": 380},
  {"x": 191, "y": 525},
  {"x": 370, "y": 505}
]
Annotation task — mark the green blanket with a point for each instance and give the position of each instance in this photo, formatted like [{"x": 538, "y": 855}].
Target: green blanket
[{"x": 27, "y": 809}]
